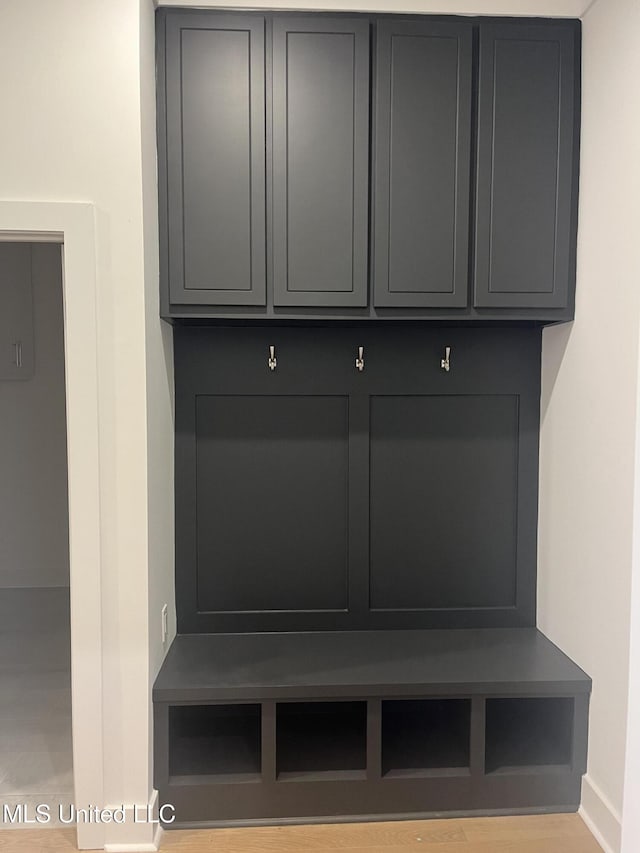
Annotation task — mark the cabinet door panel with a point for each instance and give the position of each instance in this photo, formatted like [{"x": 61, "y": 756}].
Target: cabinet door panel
[
  {"x": 444, "y": 473},
  {"x": 320, "y": 161},
  {"x": 423, "y": 129},
  {"x": 272, "y": 503},
  {"x": 525, "y": 150},
  {"x": 216, "y": 163}
]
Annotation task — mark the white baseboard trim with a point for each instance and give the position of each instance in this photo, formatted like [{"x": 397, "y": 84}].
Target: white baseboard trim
[
  {"x": 140, "y": 832},
  {"x": 601, "y": 817}
]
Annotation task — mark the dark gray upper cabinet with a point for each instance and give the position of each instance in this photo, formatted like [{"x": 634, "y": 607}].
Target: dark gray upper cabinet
[
  {"x": 320, "y": 161},
  {"x": 215, "y": 153},
  {"x": 525, "y": 225},
  {"x": 284, "y": 195},
  {"x": 422, "y": 162}
]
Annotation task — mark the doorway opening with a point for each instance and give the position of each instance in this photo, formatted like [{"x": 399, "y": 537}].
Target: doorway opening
[{"x": 36, "y": 765}]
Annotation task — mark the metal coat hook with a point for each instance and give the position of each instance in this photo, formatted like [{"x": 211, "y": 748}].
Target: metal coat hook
[
  {"x": 445, "y": 363},
  {"x": 360, "y": 359},
  {"x": 273, "y": 361}
]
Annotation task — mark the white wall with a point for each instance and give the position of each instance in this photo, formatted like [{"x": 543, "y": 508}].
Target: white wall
[
  {"x": 630, "y": 811},
  {"x": 71, "y": 97},
  {"x": 34, "y": 536},
  {"x": 159, "y": 346},
  {"x": 544, "y": 8},
  {"x": 588, "y": 433}
]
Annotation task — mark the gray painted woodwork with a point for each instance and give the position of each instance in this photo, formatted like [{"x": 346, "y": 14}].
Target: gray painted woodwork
[
  {"x": 16, "y": 312},
  {"x": 422, "y": 163},
  {"x": 338, "y": 664},
  {"x": 270, "y": 221},
  {"x": 363, "y": 724},
  {"x": 215, "y": 140},
  {"x": 316, "y": 496},
  {"x": 525, "y": 223},
  {"x": 320, "y": 160},
  {"x": 272, "y": 503},
  {"x": 441, "y": 464}
]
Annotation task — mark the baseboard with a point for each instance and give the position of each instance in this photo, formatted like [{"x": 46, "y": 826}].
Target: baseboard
[
  {"x": 600, "y": 815},
  {"x": 139, "y": 833}
]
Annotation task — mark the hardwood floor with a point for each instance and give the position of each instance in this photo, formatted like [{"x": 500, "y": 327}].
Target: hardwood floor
[{"x": 535, "y": 834}]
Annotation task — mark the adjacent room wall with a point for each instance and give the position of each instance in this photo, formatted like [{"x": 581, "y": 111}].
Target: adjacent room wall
[
  {"x": 34, "y": 536},
  {"x": 588, "y": 434},
  {"x": 73, "y": 99}
]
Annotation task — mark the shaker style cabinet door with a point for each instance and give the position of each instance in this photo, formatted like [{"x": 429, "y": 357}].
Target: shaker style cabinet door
[
  {"x": 422, "y": 163},
  {"x": 525, "y": 227},
  {"x": 320, "y": 161},
  {"x": 215, "y": 151}
]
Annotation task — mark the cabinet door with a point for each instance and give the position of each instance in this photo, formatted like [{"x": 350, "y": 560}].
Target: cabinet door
[
  {"x": 215, "y": 144},
  {"x": 16, "y": 312},
  {"x": 422, "y": 157},
  {"x": 320, "y": 161},
  {"x": 525, "y": 227}
]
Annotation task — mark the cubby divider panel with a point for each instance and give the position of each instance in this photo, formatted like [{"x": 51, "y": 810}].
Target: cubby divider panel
[
  {"x": 219, "y": 742},
  {"x": 525, "y": 734},
  {"x": 321, "y": 741},
  {"x": 425, "y": 737}
]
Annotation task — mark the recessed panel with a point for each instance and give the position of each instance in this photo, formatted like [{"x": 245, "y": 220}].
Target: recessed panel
[
  {"x": 443, "y": 501},
  {"x": 271, "y": 503},
  {"x": 320, "y": 188},
  {"x": 423, "y": 163},
  {"x": 320, "y": 161},
  {"x": 525, "y": 165},
  {"x": 422, "y": 157}
]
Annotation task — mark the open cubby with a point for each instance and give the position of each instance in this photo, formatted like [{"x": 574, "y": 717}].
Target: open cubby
[
  {"x": 356, "y": 725},
  {"x": 321, "y": 740},
  {"x": 215, "y": 741},
  {"x": 526, "y": 733},
  {"x": 422, "y": 737}
]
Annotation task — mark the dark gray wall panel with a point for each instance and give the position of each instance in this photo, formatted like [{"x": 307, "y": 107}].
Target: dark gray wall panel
[
  {"x": 320, "y": 160},
  {"x": 525, "y": 152},
  {"x": 443, "y": 501},
  {"x": 216, "y": 164},
  {"x": 243, "y": 494},
  {"x": 422, "y": 160},
  {"x": 272, "y": 498}
]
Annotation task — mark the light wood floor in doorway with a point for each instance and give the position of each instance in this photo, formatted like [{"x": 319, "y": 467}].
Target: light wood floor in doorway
[{"x": 539, "y": 834}]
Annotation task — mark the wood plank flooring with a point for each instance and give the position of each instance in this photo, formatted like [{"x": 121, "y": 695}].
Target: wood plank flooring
[{"x": 534, "y": 834}]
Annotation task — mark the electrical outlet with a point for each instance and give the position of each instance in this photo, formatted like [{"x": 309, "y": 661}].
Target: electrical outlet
[{"x": 165, "y": 624}]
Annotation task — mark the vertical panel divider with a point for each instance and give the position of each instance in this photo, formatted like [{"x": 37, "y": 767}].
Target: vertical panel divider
[
  {"x": 580, "y": 733},
  {"x": 478, "y": 735},
  {"x": 374, "y": 740},
  {"x": 359, "y": 416},
  {"x": 268, "y": 741},
  {"x": 161, "y": 744}
]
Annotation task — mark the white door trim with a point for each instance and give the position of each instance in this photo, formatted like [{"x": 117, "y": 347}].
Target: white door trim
[{"x": 73, "y": 225}]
